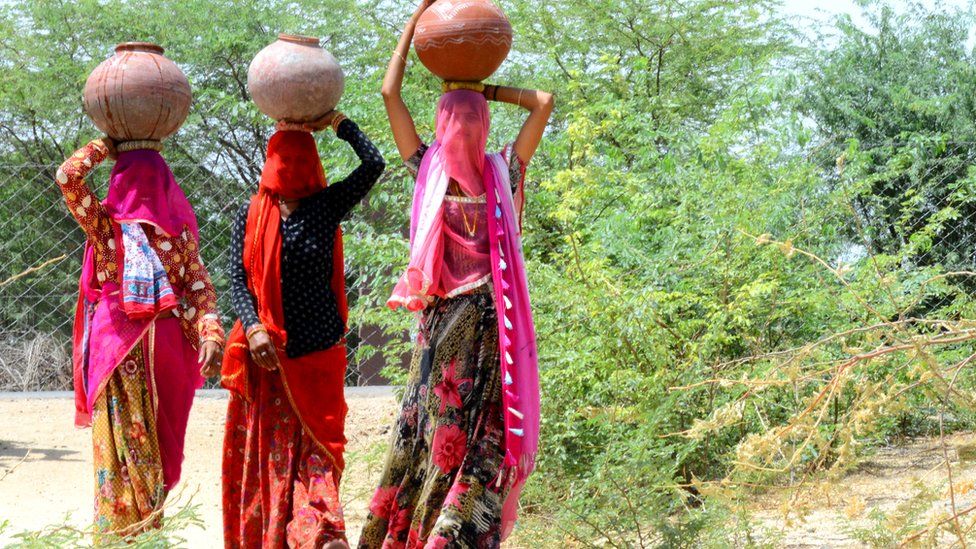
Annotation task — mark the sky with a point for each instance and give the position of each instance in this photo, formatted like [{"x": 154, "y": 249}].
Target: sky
[
  {"x": 823, "y": 10},
  {"x": 826, "y": 8}
]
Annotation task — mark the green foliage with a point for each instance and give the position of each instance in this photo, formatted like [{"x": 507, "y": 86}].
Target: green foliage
[
  {"x": 61, "y": 536},
  {"x": 720, "y": 216}
]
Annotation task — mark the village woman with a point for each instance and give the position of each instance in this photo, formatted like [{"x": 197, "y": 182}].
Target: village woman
[
  {"x": 466, "y": 436},
  {"x": 146, "y": 329},
  {"x": 286, "y": 360}
]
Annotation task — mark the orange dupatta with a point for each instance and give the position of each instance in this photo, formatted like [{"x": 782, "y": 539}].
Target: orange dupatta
[{"x": 314, "y": 382}]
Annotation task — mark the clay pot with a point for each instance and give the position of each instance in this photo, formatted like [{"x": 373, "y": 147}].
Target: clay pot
[
  {"x": 137, "y": 94},
  {"x": 295, "y": 79},
  {"x": 463, "y": 40}
]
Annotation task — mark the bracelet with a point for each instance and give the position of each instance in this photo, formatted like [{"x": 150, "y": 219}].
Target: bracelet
[
  {"x": 339, "y": 117},
  {"x": 218, "y": 340},
  {"x": 151, "y": 144},
  {"x": 400, "y": 55},
  {"x": 452, "y": 86},
  {"x": 255, "y": 329}
]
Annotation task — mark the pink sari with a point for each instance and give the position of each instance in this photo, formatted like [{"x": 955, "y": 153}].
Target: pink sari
[
  {"x": 459, "y": 154},
  {"x": 141, "y": 189}
]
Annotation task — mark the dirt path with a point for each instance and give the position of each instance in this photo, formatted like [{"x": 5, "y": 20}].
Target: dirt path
[
  {"x": 46, "y": 468},
  {"x": 885, "y": 483},
  {"x": 46, "y": 473}
]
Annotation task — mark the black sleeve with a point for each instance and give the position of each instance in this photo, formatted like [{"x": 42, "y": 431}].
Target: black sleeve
[
  {"x": 338, "y": 198},
  {"x": 244, "y": 304}
]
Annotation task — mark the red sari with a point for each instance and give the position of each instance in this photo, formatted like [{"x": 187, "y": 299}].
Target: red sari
[{"x": 284, "y": 436}]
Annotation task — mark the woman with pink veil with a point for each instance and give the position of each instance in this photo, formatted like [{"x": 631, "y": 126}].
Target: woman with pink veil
[
  {"x": 146, "y": 329},
  {"x": 467, "y": 433}
]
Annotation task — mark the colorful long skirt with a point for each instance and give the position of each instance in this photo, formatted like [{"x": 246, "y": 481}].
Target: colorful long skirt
[
  {"x": 440, "y": 484},
  {"x": 279, "y": 487},
  {"x": 129, "y": 488}
]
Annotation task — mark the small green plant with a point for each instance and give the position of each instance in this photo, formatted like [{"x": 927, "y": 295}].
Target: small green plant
[{"x": 62, "y": 536}]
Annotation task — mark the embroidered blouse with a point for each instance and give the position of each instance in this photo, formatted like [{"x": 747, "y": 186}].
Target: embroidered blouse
[{"x": 466, "y": 264}]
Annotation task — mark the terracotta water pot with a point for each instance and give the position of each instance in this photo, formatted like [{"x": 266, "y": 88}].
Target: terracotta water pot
[
  {"x": 295, "y": 79},
  {"x": 137, "y": 94},
  {"x": 464, "y": 40}
]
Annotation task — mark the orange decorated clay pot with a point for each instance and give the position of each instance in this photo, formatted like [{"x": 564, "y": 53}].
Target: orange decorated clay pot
[
  {"x": 137, "y": 94},
  {"x": 463, "y": 40},
  {"x": 295, "y": 79}
]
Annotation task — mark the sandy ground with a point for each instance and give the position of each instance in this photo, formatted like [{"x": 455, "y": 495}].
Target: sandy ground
[
  {"x": 46, "y": 468},
  {"x": 46, "y": 473}
]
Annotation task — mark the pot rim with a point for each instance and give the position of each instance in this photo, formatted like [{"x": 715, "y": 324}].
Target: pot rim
[
  {"x": 139, "y": 46},
  {"x": 299, "y": 39}
]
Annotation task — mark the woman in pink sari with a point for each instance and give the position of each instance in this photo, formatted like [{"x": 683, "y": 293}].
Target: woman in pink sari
[
  {"x": 146, "y": 328},
  {"x": 467, "y": 432}
]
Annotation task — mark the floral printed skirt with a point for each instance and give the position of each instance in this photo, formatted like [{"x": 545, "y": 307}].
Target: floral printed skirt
[
  {"x": 129, "y": 489},
  {"x": 439, "y": 487},
  {"x": 279, "y": 488}
]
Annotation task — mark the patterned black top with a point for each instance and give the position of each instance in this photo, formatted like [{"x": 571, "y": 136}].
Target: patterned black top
[{"x": 308, "y": 237}]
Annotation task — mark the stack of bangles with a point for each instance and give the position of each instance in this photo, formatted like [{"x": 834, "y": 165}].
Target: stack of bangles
[
  {"x": 255, "y": 329},
  {"x": 488, "y": 90},
  {"x": 336, "y": 120}
]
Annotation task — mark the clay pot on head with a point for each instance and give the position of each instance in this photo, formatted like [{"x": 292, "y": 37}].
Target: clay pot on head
[
  {"x": 137, "y": 94},
  {"x": 463, "y": 40},
  {"x": 295, "y": 79}
]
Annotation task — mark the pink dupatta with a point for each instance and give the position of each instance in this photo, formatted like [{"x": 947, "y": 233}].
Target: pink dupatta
[{"x": 463, "y": 116}]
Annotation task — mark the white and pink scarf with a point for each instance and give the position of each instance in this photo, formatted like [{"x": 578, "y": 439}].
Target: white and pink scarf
[{"x": 458, "y": 153}]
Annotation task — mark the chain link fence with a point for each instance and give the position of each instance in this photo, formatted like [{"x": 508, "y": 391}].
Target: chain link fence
[
  {"x": 40, "y": 260},
  {"x": 906, "y": 212},
  {"x": 910, "y": 208}
]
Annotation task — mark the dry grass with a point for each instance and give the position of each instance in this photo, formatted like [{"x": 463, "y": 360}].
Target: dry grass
[{"x": 41, "y": 363}]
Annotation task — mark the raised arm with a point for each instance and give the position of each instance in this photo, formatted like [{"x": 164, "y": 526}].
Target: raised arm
[
  {"x": 81, "y": 201},
  {"x": 404, "y": 130},
  {"x": 338, "y": 199},
  {"x": 538, "y": 103}
]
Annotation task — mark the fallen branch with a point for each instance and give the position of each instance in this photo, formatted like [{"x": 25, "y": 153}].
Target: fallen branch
[
  {"x": 33, "y": 269},
  {"x": 921, "y": 533},
  {"x": 11, "y": 470}
]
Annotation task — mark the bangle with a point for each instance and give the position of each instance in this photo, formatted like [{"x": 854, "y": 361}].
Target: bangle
[
  {"x": 255, "y": 329},
  {"x": 218, "y": 340},
  {"x": 339, "y": 117},
  {"x": 400, "y": 55}
]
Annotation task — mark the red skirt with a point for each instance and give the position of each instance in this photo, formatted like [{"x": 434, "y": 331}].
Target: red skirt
[{"x": 279, "y": 487}]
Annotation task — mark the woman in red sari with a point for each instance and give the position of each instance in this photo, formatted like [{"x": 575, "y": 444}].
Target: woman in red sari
[{"x": 286, "y": 359}]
